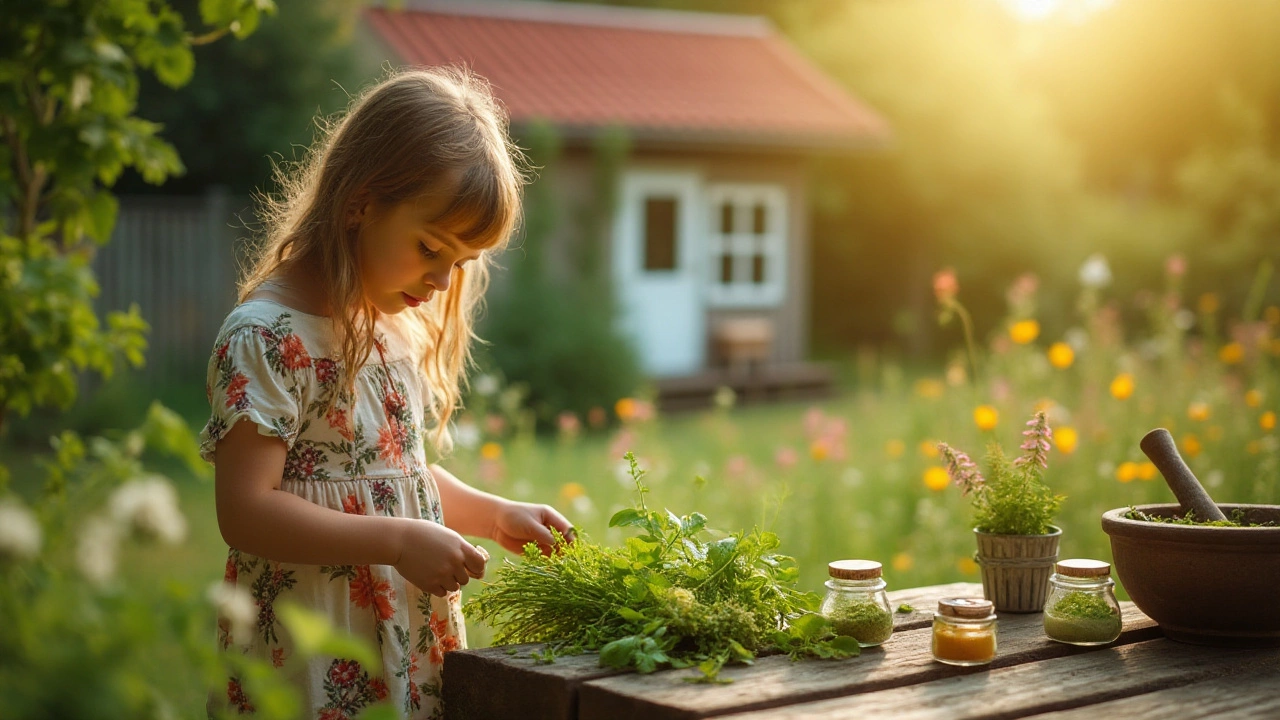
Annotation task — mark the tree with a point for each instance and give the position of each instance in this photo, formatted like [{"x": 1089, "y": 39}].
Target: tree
[
  {"x": 252, "y": 102},
  {"x": 68, "y": 92}
]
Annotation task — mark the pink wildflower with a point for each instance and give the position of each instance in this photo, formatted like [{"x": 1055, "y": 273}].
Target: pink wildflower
[
  {"x": 945, "y": 286},
  {"x": 963, "y": 471},
  {"x": 1036, "y": 447}
]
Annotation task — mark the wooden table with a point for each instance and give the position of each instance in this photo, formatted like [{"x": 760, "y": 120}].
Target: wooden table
[{"x": 1142, "y": 675}]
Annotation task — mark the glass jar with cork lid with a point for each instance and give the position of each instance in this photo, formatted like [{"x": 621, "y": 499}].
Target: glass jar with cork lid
[
  {"x": 856, "y": 603},
  {"x": 1081, "y": 608},
  {"x": 964, "y": 631}
]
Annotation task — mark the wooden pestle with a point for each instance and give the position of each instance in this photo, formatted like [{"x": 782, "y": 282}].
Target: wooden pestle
[{"x": 1159, "y": 446}]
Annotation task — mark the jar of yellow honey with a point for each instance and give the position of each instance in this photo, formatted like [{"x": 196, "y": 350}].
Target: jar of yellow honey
[{"x": 964, "y": 631}]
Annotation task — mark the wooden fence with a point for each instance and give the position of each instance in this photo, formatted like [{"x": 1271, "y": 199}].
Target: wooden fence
[{"x": 176, "y": 257}]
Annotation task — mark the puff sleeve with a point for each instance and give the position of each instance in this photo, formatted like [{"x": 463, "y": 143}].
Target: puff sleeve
[{"x": 250, "y": 378}]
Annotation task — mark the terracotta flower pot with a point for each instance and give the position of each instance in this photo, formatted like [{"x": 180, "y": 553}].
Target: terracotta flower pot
[{"x": 1016, "y": 569}]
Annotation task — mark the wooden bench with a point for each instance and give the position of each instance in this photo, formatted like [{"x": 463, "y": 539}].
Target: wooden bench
[{"x": 1141, "y": 675}]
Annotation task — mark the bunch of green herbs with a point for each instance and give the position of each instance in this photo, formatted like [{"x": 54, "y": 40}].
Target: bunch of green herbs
[
  {"x": 1012, "y": 499},
  {"x": 678, "y": 595}
]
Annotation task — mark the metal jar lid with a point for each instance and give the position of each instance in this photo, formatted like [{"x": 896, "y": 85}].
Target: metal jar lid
[
  {"x": 854, "y": 569},
  {"x": 963, "y": 607},
  {"x": 1083, "y": 568}
]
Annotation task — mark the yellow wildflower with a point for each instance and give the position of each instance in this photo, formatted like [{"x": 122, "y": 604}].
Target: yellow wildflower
[
  {"x": 1208, "y": 303},
  {"x": 1198, "y": 411},
  {"x": 967, "y": 566},
  {"x": 1127, "y": 472},
  {"x": 1253, "y": 398},
  {"x": 929, "y": 448},
  {"x": 895, "y": 448},
  {"x": 903, "y": 562},
  {"x": 491, "y": 451},
  {"x": 1061, "y": 355},
  {"x": 818, "y": 450},
  {"x": 1122, "y": 386},
  {"x": 625, "y": 408},
  {"x": 930, "y": 388},
  {"x": 1146, "y": 471},
  {"x": 986, "y": 417},
  {"x": 570, "y": 491},
  {"x": 1267, "y": 421},
  {"x": 1191, "y": 446},
  {"x": 1231, "y": 353},
  {"x": 1024, "y": 331},
  {"x": 1066, "y": 438},
  {"x": 936, "y": 478}
]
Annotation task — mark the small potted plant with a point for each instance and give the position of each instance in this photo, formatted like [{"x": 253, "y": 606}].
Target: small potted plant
[{"x": 1013, "y": 518}]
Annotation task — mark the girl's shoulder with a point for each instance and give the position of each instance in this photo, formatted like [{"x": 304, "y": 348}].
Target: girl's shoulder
[{"x": 274, "y": 321}]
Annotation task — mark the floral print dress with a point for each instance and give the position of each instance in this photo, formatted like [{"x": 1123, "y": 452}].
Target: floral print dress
[{"x": 362, "y": 454}]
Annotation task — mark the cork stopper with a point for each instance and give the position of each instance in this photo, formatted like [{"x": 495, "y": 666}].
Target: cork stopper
[
  {"x": 854, "y": 569},
  {"x": 1083, "y": 568},
  {"x": 962, "y": 607}
]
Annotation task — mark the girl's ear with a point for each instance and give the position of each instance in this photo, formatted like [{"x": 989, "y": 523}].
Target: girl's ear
[{"x": 358, "y": 209}]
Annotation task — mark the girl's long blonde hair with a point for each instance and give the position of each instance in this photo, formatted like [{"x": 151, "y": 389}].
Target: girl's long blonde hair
[{"x": 413, "y": 131}]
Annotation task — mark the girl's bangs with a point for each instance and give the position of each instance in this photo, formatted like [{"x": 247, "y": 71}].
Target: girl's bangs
[{"x": 483, "y": 210}]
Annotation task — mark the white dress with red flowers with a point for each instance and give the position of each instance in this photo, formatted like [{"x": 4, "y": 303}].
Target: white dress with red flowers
[{"x": 361, "y": 454}]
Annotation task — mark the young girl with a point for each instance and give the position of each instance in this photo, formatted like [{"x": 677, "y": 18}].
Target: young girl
[{"x": 347, "y": 350}]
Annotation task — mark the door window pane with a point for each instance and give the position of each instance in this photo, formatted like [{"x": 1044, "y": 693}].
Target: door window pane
[
  {"x": 726, "y": 268},
  {"x": 660, "y": 233},
  {"x": 757, "y": 269},
  {"x": 757, "y": 219},
  {"x": 726, "y": 218}
]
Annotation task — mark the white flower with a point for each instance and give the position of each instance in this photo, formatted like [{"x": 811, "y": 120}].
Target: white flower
[
  {"x": 582, "y": 506},
  {"x": 96, "y": 551},
  {"x": 1095, "y": 272},
  {"x": 236, "y": 606},
  {"x": 20, "y": 536},
  {"x": 486, "y": 385},
  {"x": 149, "y": 504},
  {"x": 1184, "y": 319},
  {"x": 725, "y": 397},
  {"x": 1077, "y": 338},
  {"x": 622, "y": 471},
  {"x": 467, "y": 434},
  {"x": 851, "y": 477},
  {"x": 522, "y": 489}
]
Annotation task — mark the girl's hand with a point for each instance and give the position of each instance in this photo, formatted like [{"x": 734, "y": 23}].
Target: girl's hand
[
  {"x": 437, "y": 559},
  {"x": 517, "y": 523}
]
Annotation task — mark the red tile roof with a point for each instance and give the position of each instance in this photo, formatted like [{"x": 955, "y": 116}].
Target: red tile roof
[{"x": 668, "y": 76}]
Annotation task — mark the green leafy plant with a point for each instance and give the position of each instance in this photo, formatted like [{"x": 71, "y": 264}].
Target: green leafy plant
[
  {"x": 678, "y": 595},
  {"x": 1237, "y": 519},
  {"x": 1012, "y": 498}
]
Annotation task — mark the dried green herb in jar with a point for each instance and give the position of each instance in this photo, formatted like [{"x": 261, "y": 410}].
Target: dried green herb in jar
[
  {"x": 866, "y": 622},
  {"x": 1082, "y": 617}
]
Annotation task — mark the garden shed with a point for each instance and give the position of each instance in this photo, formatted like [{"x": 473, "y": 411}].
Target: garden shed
[{"x": 708, "y": 246}]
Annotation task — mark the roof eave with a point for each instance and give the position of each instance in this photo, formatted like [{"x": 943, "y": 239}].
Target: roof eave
[{"x": 724, "y": 140}]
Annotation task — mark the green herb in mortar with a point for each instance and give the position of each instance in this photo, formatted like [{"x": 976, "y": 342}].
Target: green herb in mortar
[
  {"x": 1236, "y": 519},
  {"x": 1081, "y": 617},
  {"x": 866, "y": 622},
  {"x": 676, "y": 594}
]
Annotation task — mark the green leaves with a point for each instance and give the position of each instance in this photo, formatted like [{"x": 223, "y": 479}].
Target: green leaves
[
  {"x": 313, "y": 635},
  {"x": 668, "y": 596}
]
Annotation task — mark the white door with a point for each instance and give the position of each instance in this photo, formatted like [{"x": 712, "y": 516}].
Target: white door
[{"x": 656, "y": 269}]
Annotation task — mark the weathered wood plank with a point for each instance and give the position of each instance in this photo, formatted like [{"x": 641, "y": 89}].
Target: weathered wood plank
[
  {"x": 506, "y": 681},
  {"x": 1082, "y": 680},
  {"x": 1251, "y": 695},
  {"x": 772, "y": 682}
]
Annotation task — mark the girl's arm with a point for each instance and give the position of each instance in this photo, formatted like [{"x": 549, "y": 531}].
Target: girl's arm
[
  {"x": 257, "y": 517},
  {"x": 511, "y": 524}
]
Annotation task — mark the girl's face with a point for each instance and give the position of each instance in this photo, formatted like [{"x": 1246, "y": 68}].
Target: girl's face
[{"x": 405, "y": 258}]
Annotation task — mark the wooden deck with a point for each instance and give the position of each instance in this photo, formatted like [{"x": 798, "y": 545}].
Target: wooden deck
[
  {"x": 1141, "y": 675},
  {"x": 778, "y": 382}
]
